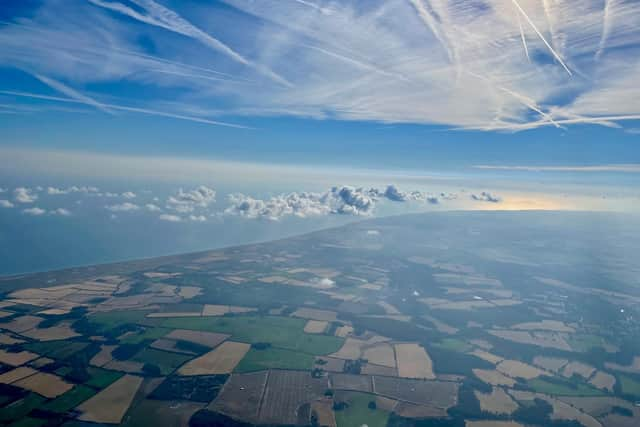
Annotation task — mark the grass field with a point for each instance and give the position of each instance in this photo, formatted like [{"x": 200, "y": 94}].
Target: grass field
[
  {"x": 112, "y": 319},
  {"x": 283, "y": 332},
  {"x": 274, "y": 358},
  {"x": 61, "y": 349},
  {"x": 585, "y": 342},
  {"x": 542, "y": 386},
  {"x": 21, "y": 408},
  {"x": 101, "y": 378},
  {"x": 149, "y": 334},
  {"x": 358, "y": 413},
  {"x": 70, "y": 399},
  {"x": 453, "y": 344},
  {"x": 629, "y": 386},
  {"x": 167, "y": 362},
  {"x": 29, "y": 422}
]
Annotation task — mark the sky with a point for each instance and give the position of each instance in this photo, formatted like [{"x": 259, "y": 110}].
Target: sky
[{"x": 134, "y": 128}]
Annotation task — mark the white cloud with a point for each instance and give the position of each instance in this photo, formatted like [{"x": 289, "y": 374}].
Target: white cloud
[
  {"x": 60, "y": 212},
  {"x": 152, "y": 208},
  {"x": 129, "y": 195},
  {"x": 24, "y": 195},
  {"x": 6, "y": 204},
  {"x": 197, "y": 218},
  {"x": 170, "y": 218},
  {"x": 123, "y": 207},
  {"x": 54, "y": 191},
  {"x": 486, "y": 197},
  {"x": 188, "y": 201},
  {"x": 35, "y": 211}
]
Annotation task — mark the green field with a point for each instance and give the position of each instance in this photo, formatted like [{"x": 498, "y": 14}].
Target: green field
[
  {"x": 274, "y": 358},
  {"x": 149, "y": 334},
  {"x": 629, "y": 386},
  {"x": 585, "y": 342},
  {"x": 21, "y": 408},
  {"x": 70, "y": 399},
  {"x": 112, "y": 319},
  {"x": 101, "y": 378},
  {"x": 453, "y": 344},
  {"x": 167, "y": 362},
  {"x": 283, "y": 332},
  {"x": 358, "y": 413},
  {"x": 29, "y": 422},
  {"x": 547, "y": 387},
  {"x": 61, "y": 349}
]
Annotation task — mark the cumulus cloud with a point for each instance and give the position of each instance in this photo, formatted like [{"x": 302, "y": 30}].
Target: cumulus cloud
[
  {"x": 188, "y": 201},
  {"x": 55, "y": 191},
  {"x": 129, "y": 195},
  {"x": 60, "y": 212},
  {"x": 24, "y": 195},
  {"x": 486, "y": 197},
  {"x": 6, "y": 204},
  {"x": 152, "y": 207},
  {"x": 123, "y": 207},
  {"x": 35, "y": 211},
  {"x": 170, "y": 218}
]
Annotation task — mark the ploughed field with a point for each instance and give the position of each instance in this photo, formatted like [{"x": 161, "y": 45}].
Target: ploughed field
[{"x": 409, "y": 321}]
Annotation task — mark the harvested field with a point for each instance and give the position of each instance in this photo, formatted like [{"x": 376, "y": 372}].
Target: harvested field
[
  {"x": 552, "y": 364},
  {"x": 385, "y": 403},
  {"x": 55, "y": 311},
  {"x": 541, "y": 339},
  {"x": 351, "y": 349},
  {"x": 16, "y": 359},
  {"x": 599, "y": 406},
  {"x": 22, "y": 324},
  {"x": 221, "y": 360},
  {"x": 351, "y": 382},
  {"x": 110, "y": 405},
  {"x": 369, "y": 369},
  {"x": 331, "y": 365},
  {"x": 381, "y": 354},
  {"x": 561, "y": 410},
  {"x": 9, "y": 340},
  {"x": 16, "y": 374},
  {"x": 485, "y": 355},
  {"x": 315, "y": 314},
  {"x": 544, "y": 325},
  {"x": 40, "y": 362},
  {"x": 413, "y": 362},
  {"x": 127, "y": 366},
  {"x": 603, "y": 381},
  {"x": 221, "y": 310},
  {"x": 316, "y": 326},
  {"x": 496, "y": 402},
  {"x": 286, "y": 391},
  {"x": 493, "y": 377},
  {"x": 579, "y": 368},
  {"x": 169, "y": 314},
  {"x": 633, "y": 368},
  {"x": 169, "y": 345},
  {"x": 438, "y": 394},
  {"x": 62, "y": 331},
  {"x": 388, "y": 308},
  {"x": 411, "y": 410},
  {"x": 208, "y": 339},
  {"x": 441, "y": 326},
  {"x": 517, "y": 369},
  {"x": 241, "y": 395},
  {"x": 324, "y": 412},
  {"x": 47, "y": 385},
  {"x": 492, "y": 424},
  {"x": 343, "y": 331}
]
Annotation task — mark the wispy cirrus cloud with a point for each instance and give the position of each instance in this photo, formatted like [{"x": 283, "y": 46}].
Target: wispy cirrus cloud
[{"x": 540, "y": 63}]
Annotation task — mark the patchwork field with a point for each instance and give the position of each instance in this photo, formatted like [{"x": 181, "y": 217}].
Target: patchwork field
[
  {"x": 496, "y": 402},
  {"x": 47, "y": 385},
  {"x": 413, "y": 362},
  {"x": 221, "y": 360},
  {"x": 316, "y": 326},
  {"x": 110, "y": 405},
  {"x": 241, "y": 396}
]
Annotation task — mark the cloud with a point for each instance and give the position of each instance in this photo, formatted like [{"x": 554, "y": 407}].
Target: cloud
[
  {"x": 54, "y": 191},
  {"x": 24, "y": 195},
  {"x": 60, "y": 212},
  {"x": 152, "y": 208},
  {"x": 188, "y": 201},
  {"x": 129, "y": 195},
  {"x": 123, "y": 207},
  {"x": 485, "y": 197},
  {"x": 6, "y": 203},
  {"x": 35, "y": 211},
  {"x": 540, "y": 63},
  {"x": 628, "y": 168},
  {"x": 170, "y": 218}
]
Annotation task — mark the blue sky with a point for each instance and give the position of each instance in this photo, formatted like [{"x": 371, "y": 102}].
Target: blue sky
[{"x": 301, "y": 113}]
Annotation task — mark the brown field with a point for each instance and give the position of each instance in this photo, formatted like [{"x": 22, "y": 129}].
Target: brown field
[
  {"x": 55, "y": 311},
  {"x": 16, "y": 359},
  {"x": 544, "y": 325},
  {"x": 221, "y": 360},
  {"x": 351, "y": 382},
  {"x": 165, "y": 314},
  {"x": 552, "y": 364},
  {"x": 493, "y": 377},
  {"x": 492, "y": 424},
  {"x": 221, "y": 310},
  {"x": 343, "y": 331},
  {"x": 286, "y": 391},
  {"x": 413, "y": 362},
  {"x": 541, "y": 339},
  {"x": 332, "y": 365},
  {"x": 351, "y": 349},
  {"x": 169, "y": 345},
  {"x": 16, "y": 374},
  {"x": 411, "y": 410},
  {"x": 517, "y": 369},
  {"x": 324, "y": 411},
  {"x": 22, "y": 323},
  {"x": 385, "y": 403},
  {"x": 469, "y": 280},
  {"x": 388, "y": 308},
  {"x": 315, "y": 326},
  {"x": 369, "y": 369},
  {"x": 440, "y": 394},
  {"x": 110, "y": 405},
  {"x": 634, "y": 368},
  {"x": 241, "y": 395},
  {"x": 104, "y": 355},
  {"x": 561, "y": 410},
  {"x": 496, "y": 402},
  {"x": 209, "y": 339},
  {"x": 47, "y": 385},
  {"x": 127, "y": 366},
  {"x": 160, "y": 275},
  {"x": 9, "y": 340},
  {"x": 42, "y": 361},
  {"x": 441, "y": 326},
  {"x": 61, "y": 331},
  {"x": 603, "y": 381},
  {"x": 381, "y": 354},
  {"x": 582, "y": 369},
  {"x": 315, "y": 314},
  {"x": 485, "y": 355},
  {"x": 599, "y": 406}
]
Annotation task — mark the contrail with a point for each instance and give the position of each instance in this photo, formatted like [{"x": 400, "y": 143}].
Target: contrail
[
  {"x": 547, "y": 13},
  {"x": 430, "y": 22},
  {"x": 72, "y": 93},
  {"x": 606, "y": 26},
  {"x": 593, "y": 120},
  {"x": 555, "y": 54},
  {"x": 314, "y": 6},
  {"x": 524, "y": 40},
  {"x": 160, "y": 16}
]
